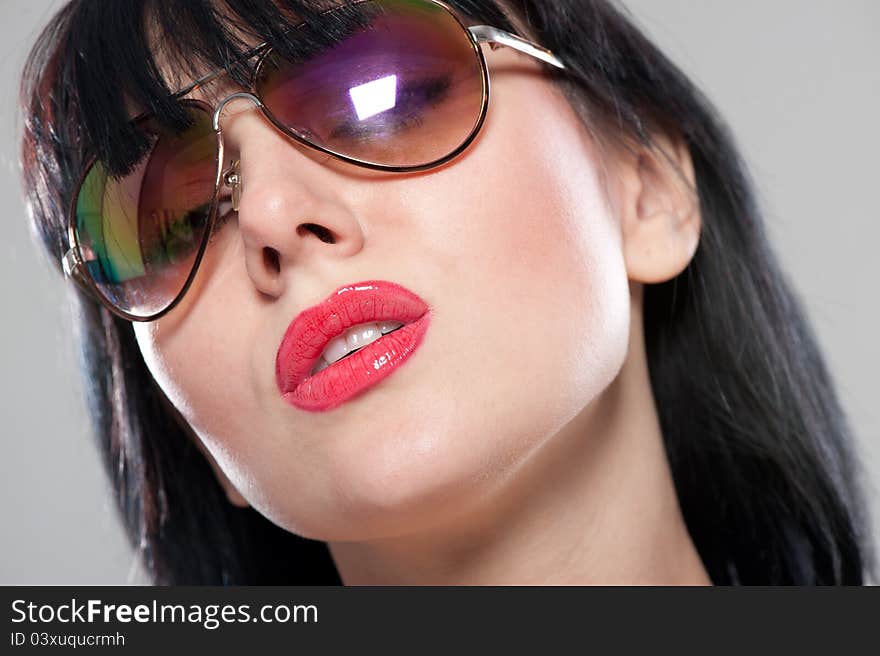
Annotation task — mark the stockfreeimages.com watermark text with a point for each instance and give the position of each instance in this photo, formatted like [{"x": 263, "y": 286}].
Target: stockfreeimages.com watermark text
[{"x": 210, "y": 616}]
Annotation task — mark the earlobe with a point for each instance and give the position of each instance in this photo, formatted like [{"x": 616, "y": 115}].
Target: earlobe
[{"x": 659, "y": 211}]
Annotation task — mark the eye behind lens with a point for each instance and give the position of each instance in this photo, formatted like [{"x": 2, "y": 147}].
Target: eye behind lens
[{"x": 406, "y": 91}]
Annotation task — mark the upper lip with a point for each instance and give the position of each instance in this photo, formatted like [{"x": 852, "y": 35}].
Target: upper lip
[{"x": 312, "y": 329}]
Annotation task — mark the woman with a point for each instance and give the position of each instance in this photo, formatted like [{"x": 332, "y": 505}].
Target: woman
[{"x": 344, "y": 320}]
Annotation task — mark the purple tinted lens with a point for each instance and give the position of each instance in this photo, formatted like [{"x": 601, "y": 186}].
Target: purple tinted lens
[{"x": 406, "y": 91}]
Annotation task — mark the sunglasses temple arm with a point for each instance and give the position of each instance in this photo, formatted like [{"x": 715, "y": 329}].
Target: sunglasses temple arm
[{"x": 496, "y": 37}]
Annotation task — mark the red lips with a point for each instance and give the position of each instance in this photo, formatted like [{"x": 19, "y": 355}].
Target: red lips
[{"x": 309, "y": 333}]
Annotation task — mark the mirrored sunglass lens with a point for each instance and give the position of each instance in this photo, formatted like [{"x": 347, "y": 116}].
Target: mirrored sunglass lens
[
  {"x": 139, "y": 235},
  {"x": 405, "y": 91}
]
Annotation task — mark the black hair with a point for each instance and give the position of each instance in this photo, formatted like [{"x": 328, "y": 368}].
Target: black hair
[{"x": 761, "y": 454}]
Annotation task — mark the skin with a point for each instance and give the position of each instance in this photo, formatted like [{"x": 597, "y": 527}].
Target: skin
[{"x": 520, "y": 443}]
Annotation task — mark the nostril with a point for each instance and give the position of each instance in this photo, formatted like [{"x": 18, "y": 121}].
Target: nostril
[
  {"x": 271, "y": 259},
  {"x": 320, "y": 231}
]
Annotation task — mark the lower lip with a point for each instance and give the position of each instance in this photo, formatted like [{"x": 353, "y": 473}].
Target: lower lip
[{"x": 355, "y": 374}]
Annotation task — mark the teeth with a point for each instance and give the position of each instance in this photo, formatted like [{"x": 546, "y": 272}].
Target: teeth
[
  {"x": 388, "y": 326},
  {"x": 352, "y": 339},
  {"x": 360, "y": 336}
]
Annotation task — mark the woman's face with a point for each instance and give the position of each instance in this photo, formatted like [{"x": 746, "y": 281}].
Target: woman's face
[{"x": 512, "y": 245}]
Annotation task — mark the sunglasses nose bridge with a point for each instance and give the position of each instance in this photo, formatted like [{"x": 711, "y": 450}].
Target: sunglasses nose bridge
[{"x": 215, "y": 120}]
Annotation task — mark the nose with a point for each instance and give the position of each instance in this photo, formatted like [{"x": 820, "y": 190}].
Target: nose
[{"x": 292, "y": 212}]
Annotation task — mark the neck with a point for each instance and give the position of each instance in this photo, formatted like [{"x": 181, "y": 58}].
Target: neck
[{"x": 595, "y": 504}]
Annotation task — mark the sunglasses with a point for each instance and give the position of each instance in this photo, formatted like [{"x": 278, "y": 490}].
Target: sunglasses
[{"x": 407, "y": 89}]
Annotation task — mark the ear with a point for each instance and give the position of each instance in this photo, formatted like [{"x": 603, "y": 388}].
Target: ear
[{"x": 659, "y": 210}]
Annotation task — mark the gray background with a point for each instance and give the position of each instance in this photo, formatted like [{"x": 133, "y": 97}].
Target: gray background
[{"x": 799, "y": 83}]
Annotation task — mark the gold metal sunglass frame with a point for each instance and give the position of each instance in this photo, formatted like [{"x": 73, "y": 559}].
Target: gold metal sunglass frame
[{"x": 72, "y": 261}]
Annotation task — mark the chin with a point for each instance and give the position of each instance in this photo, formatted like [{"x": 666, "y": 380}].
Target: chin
[{"x": 387, "y": 493}]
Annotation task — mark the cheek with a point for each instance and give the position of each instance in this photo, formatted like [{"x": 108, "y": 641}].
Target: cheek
[
  {"x": 543, "y": 257},
  {"x": 201, "y": 367},
  {"x": 554, "y": 290}
]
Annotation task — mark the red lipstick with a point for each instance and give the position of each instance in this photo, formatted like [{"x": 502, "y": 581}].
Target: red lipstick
[{"x": 310, "y": 332}]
